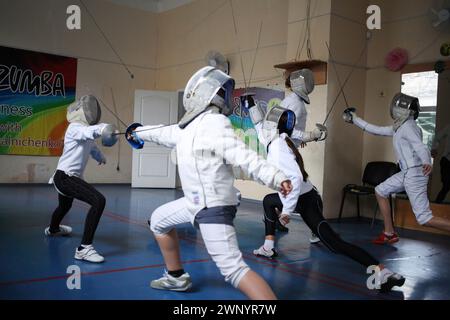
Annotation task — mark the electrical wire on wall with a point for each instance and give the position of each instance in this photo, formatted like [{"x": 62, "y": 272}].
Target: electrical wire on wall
[{"x": 107, "y": 40}]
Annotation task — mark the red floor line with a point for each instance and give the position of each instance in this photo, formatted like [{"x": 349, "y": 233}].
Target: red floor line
[{"x": 9, "y": 283}]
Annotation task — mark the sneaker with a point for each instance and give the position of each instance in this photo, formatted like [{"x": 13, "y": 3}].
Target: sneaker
[
  {"x": 383, "y": 238},
  {"x": 314, "y": 238},
  {"x": 88, "y": 253},
  {"x": 390, "y": 279},
  {"x": 280, "y": 227},
  {"x": 262, "y": 252},
  {"x": 168, "y": 282},
  {"x": 63, "y": 231}
]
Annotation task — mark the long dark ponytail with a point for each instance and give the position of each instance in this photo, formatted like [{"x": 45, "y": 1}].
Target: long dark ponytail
[{"x": 298, "y": 158}]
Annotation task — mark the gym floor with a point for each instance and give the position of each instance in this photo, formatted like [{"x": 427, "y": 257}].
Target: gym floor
[{"x": 34, "y": 266}]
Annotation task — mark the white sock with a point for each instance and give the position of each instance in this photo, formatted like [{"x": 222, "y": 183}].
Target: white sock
[
  {"x": 389, "y": 233},
  {"x": 269, "y": 244}
]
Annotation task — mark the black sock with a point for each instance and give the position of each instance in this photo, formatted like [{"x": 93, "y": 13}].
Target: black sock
[
  {"x": 176, "y": 273},
  {"x": 53, "y": 230},
  {"x": 82, "y": 246}
]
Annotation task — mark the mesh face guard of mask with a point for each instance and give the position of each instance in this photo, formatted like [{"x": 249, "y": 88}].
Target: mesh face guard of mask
[
  {"x": 302, "y": 83},
  {"x": 86, "y": 110},
  {"x": 278, "y": 120},
  {"x": 208, "y": 86},
  {"x": 402, "y": 106}
]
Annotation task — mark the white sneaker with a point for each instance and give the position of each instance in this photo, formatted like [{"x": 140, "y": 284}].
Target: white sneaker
[
  {"x": 168, "y": 282},
  {"x": 261, "y": 251},
  {"x": 313, "y": 238},
  {"x": 88, "y": 254},
  {"x": 63, "y": 231}
]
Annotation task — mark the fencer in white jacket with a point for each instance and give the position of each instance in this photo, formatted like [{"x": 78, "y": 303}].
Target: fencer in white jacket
[
  {"x": 301, "y": 82},
  {"x": 79, "y": 144},
  {"x": 206, "y": 150},
  {"x": 414, "y": 160}
]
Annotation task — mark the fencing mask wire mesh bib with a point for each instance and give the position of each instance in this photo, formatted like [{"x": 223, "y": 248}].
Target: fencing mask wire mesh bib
[
  {"x": 402, "y": 108},
  {"x": 302, "y": 83},
  {"x": 208, "y": 86},
  {"x": 278, "y": 120},
  {"x": 86, "y": 111}
]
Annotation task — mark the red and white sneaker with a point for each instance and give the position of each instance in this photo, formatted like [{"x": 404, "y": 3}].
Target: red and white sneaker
[{"x": 383, "y": 238}]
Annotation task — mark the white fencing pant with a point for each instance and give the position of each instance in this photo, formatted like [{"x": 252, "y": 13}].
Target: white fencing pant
[
  {"x": 220, "y": 239},
  {"x": 415, "y": 183}
]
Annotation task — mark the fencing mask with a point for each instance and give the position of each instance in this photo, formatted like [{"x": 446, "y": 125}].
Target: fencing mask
[
  {"x": 86, "y": 111},
  {"x": 302, "y": 83},
  {"x": 208, "y": 86},
  {"x": 278, "y": 120},
  {"x": 402, "y": 107}
]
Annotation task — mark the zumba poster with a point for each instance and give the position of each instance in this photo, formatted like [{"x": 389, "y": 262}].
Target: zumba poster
[{"x": 35, "y": 90}]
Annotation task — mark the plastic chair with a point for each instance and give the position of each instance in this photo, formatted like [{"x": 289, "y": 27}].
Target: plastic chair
[{"x": 374, "y": 173}]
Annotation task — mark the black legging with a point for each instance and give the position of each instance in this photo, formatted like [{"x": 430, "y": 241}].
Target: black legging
[
  {"x": 310, "y": 206},
  {"x": 445, "y": 178},
  {"x": 73, "y": 187}
]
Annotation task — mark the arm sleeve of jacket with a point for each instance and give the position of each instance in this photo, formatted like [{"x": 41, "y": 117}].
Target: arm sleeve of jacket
[
  {"x": 377, "y": 130},
  {"x": 83, "y": 133},
  {"x": 97, "y": 154},
  {"x": 259, "y": 132},
  {"x": 225, "y": 143},
  {"x": 290, "y": 201},
  {"x": 415, "y": 140},
  {"x": 297, "y": 135},
  {"x": 160, "y": 134}
]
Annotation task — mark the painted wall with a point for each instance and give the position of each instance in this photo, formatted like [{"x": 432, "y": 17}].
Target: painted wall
[
  {"x": 41, "y": 26},
  {"x": 344, "y": 145},
  {"x": 320, "y": 10}
]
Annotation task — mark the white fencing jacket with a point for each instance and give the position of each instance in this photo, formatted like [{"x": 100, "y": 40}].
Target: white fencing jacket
[
  {"x": 297, "y": 105},
  {"x": 207, "y": 149},
  {"x": 78, "y": 145},
  {"x": 281, "y": 156},
  {"x": 409, "y": 148}
]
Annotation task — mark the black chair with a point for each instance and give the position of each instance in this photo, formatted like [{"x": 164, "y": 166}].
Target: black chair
[{"x": 374, "y": 173}]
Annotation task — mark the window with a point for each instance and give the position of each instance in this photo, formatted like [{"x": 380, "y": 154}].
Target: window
[{"x": 423, "y": 85}]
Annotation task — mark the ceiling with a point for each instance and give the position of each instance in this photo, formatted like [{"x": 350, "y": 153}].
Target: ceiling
[{"x": 156, "y": 6}]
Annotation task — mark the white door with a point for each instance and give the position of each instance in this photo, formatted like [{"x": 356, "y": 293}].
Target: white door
[{"x": 152, "y": 165}]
